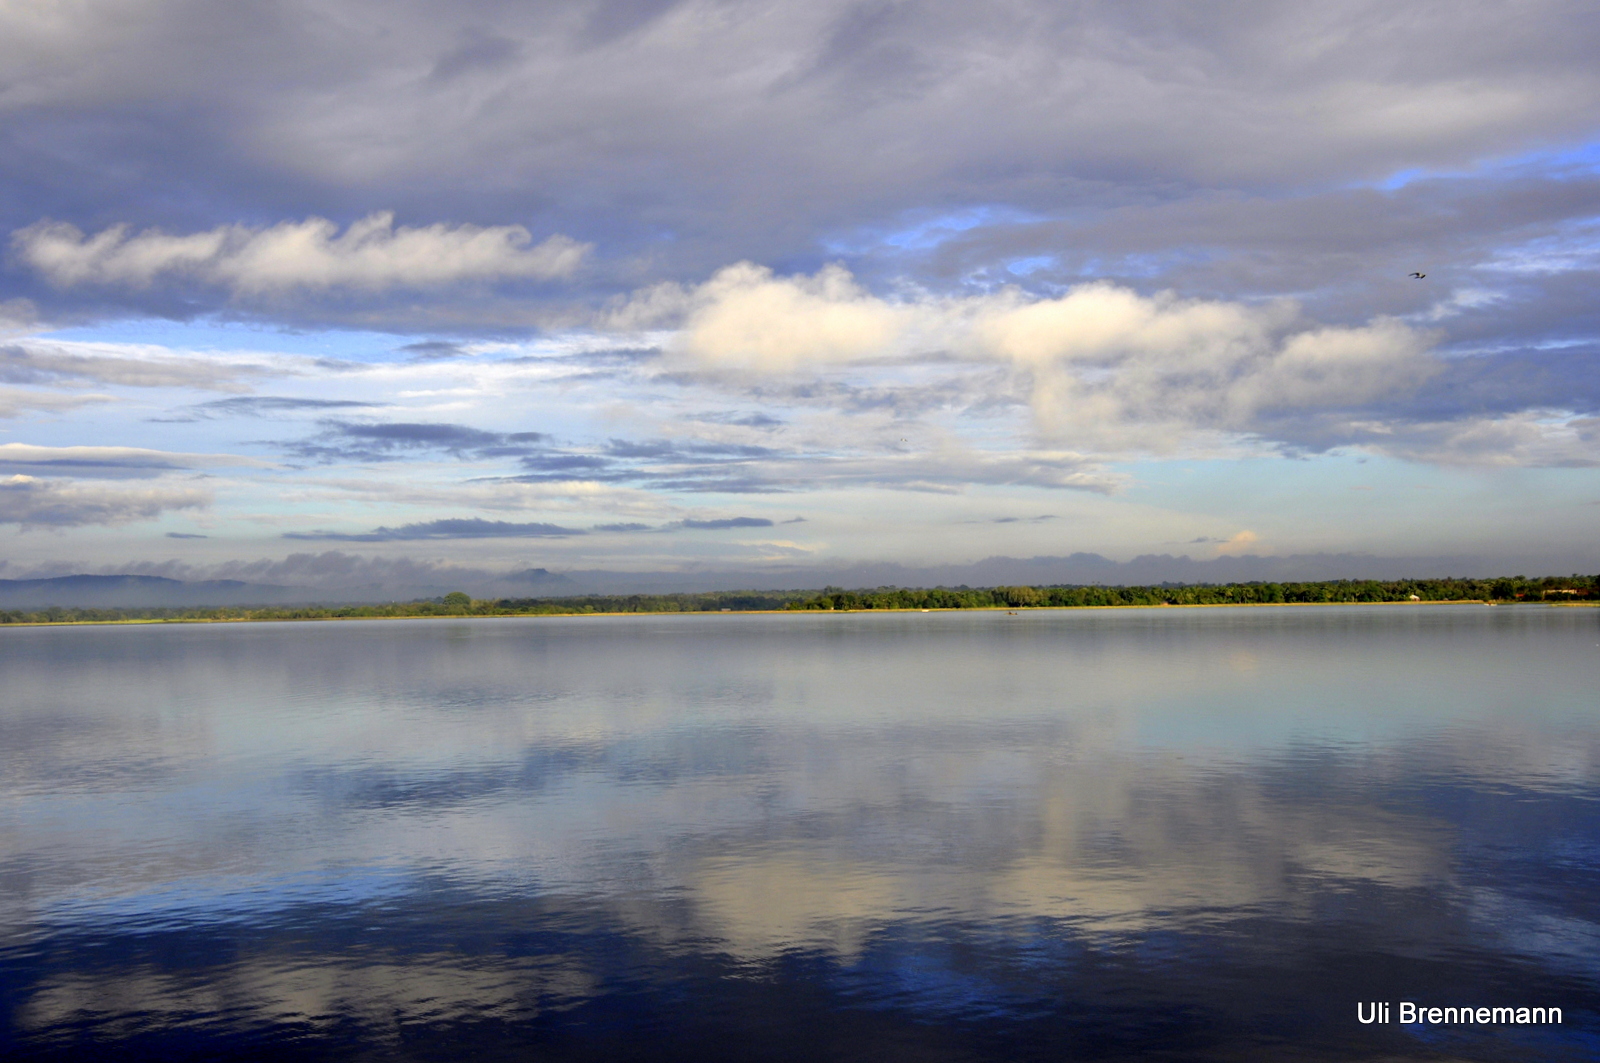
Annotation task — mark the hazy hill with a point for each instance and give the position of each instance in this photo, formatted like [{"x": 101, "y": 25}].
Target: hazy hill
[{"x": 140, "y": 591}]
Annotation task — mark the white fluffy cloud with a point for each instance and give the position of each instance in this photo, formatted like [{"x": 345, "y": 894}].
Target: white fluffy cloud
[
  {"x": 371, "y": 255},
  {"x": 746, "y": 317},
  {"x": 34, "y": 503},
  {"x": 1095, "y": 359}
]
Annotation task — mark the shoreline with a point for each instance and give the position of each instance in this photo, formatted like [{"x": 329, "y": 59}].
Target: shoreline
[{"x": 1016, "y": 610}]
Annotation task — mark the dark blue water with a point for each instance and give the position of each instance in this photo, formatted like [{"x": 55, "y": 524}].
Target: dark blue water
[{"x": 1165, "y": 833}]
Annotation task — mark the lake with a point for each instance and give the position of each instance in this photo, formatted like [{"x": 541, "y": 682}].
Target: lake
[{"x": 1211, "y": 834}]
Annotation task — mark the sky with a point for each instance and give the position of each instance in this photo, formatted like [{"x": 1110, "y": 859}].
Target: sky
[{"x": 337, "y": 292}]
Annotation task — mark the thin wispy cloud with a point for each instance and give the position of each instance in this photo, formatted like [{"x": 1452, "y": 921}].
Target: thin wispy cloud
[
  {"x": 269, "y": 406},
  {"x": 33, "y": 503},
  {"x": 449, "y": 528},
  {"x": 109, "y": 461},
  {"x": 344, "y": 441},
  {"x": 17, "y": 402},
  {"x": 728, "y": 522},
  {"x": 35, "y": 363}
]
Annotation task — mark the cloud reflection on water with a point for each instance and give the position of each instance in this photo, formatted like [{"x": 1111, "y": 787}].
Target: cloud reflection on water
[{"x": 828, "y": 786}]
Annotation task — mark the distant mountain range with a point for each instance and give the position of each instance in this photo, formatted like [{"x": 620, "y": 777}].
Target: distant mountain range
[
  {"x": 133, "y": 591},
  {"x": 145, "y": 592},
  {"x": 139, "y": 591}
]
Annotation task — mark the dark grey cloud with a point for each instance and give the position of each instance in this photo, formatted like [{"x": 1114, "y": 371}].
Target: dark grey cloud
[
  {"x": 1506, "y": 382},
  {"x": 713, "y": 524},
  {"x": 1489, "y": 403},
  {"x": 433, "y": 350},
  {"x": 554, "y": 466},
  {"x": 673, "y": 465},
  {"x": 186, "y": 535},
  {"x": 875, "y": 129},
  {"x": 351, "y": 441},
  {"x": 1346, "y": 253},
  {"x": 743, "y": 420},
  {"x": 103, "y": 463},
  {"x": 475, "y": 51},
  {"x": 450, "y": 528},
  {"x": 728, "y": 522},
  {"x": 478, "y": 528},
  {"x": 665, "y": 450}
]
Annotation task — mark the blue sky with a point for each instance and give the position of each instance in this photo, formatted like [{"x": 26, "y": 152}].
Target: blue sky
[{"x": 412, "y": 294}]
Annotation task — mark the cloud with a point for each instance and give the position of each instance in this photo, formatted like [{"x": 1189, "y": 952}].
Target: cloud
[
  {"x": 42, "y": 363},
  {"x": 746, "y": 317},
  {"x": 267, "y": 405},
  {"x": 32, "y": 503},
  {"x": 456, "y": 98},
  {"x": 14, "y": 402},
  {"x": 1238, "y": 543},
  {"x": 108, "y": 462},
  {"x": 1093, "y": 360},
  {"x": 658, "y": 462},
  {"x": 728, "y": 522},
  {"x": 737, "y": 468},
  {"x": 434, "y": 350},
  {"x": 743, "y": 420},
  {"x": 948, "y": 470},
  {"x": 686, "y": 450},
  {"x": 896, "y": 129},
  {"x": 354, "y": 441},
  {"x": 1009, "y": 192},
  {"x": 450, "y": 528},
  {"x": 371, "y": 255},
  {"x": 1529, "y": 438}
]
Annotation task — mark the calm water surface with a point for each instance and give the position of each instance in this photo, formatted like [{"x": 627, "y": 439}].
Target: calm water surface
[{"x": 1173, "y": 834}]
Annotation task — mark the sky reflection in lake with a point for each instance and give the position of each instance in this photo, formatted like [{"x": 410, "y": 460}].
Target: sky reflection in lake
[{"x": 1205, "y": 833}]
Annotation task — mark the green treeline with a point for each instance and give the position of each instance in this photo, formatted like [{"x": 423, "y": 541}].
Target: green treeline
[
  {"x": 453, "y": 604},
  {"x": 1504, "y": 589}
]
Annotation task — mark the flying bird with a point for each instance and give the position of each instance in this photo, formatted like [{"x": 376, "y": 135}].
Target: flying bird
[{"x": 1419, "y": 276}]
